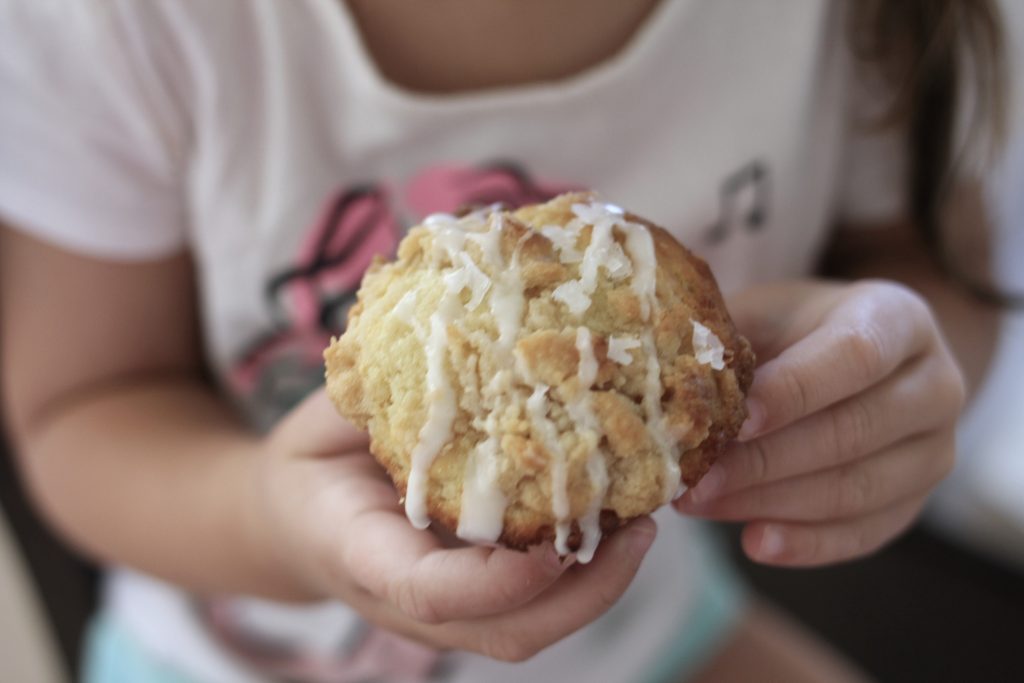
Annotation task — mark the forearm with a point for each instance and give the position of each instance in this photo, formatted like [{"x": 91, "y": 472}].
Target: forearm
[{"x": 157, "y": 475}]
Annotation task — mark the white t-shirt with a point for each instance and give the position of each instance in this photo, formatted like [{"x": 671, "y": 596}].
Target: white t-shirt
[{"x": 260, "y": 135}]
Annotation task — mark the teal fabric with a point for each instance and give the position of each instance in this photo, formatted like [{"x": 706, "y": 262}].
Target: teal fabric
[
  {"x": 114, "y": 656},
  {"x": 704, "y": 630}
]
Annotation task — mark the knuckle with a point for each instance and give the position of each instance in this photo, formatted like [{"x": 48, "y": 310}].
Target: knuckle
[
  {"x": 904, "y": 298},
  {"x": 756, "y": 467},
  {"x": 796, "y": 392},
  {"x": 851, "y": 429},
  {"x": 606, "y": 598},
  {"x": 863, "y": 347},
  {"x": 853, "y": 491},
  {"x": 409, "y": 599},
  {"x": 511, "y": 593}
]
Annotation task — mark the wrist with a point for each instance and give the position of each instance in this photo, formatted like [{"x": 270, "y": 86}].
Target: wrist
[{"x": 266, "y": 545}]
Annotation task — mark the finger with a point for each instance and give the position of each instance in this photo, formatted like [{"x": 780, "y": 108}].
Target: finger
[
  {"x": 411, "y": 570},
  {"x": 316, "y": 428},
  {"x": 765, "y": 314},
  {"x": 858, "y": 426},
  {"x": 809, "y": 545},
  {"x": 905, "y": 469},
  {"x": 864, "y": 339},
  {"x": 578, "y": 598}
]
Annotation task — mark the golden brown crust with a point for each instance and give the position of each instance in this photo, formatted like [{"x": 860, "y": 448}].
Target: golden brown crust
[{"x": 376, "y": 375}]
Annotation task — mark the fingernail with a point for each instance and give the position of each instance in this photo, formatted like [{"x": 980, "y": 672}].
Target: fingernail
[
  {"x": 754, "y": 422},
  {"x": 641, "y": 536},
  {"x": 772, "y": 543},
  {"x": 707, "y": 488}
]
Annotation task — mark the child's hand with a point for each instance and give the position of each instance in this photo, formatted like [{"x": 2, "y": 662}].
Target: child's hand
[
  {"x": 333, "y": 514},
  {"x": 852, "y": 417}
]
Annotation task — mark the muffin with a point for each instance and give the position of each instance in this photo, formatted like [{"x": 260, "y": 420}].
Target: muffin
[{"x": 541, "y": 374}]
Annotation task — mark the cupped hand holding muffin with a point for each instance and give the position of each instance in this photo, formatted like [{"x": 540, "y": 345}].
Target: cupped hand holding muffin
[
  {"x": 332, "y": 515},
  {"x": 852, "y": 417}
]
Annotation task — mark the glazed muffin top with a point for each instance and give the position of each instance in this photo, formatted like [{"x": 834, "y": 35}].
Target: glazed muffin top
[{"x": 543, "y": 374}]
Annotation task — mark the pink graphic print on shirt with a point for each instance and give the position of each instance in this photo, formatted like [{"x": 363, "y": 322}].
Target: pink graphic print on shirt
[
  {"x": 309, "y": 301},
  {"x": 446, "y": 188}
]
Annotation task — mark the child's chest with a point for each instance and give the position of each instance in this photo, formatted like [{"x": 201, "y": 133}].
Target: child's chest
[{"x": 461, "y": 45}]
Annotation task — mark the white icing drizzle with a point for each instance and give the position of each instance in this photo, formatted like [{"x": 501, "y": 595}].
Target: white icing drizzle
[
  {"x": 537, "y": 408},
  {"x": 597, "y": 251},
  {"x": 489, "y": 240},
  {"x": 449, "y": 241},
  {"x": 483, "y": 504},
  {"x": 708, "y": 348},
  {"x": 405, "y": 310},
  {"x": 482, "y": 513},
  {"x": 640, "y": 246},
  {"x": 618, "y": 349},
  {"x": 437, "y": 429},
  {"x": 590, "y": 523},
  {"x": 506, "y": 302},
  {"x": 645, "y": 264},
  {"x": 449, "y": 238},
  {"x": 581, "y": 411},
  {"x": 586, "y": 372},
  {"x": 602, "y": 252},
  {"x": 564, "y": 240},
  {"x": 469, "y": 275},
  {"x": 656, "y": 426}
]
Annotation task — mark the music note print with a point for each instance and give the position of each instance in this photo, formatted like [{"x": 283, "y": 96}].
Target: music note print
[{"x": 743, "y": 201}]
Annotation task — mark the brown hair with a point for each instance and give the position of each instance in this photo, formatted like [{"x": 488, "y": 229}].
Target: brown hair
[{"x": 929, "y": 50}]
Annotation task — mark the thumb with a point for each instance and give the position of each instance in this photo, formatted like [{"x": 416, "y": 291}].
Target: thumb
[
  {"x": 775, "y": 316},
  {"x": 314, "y": 428}
]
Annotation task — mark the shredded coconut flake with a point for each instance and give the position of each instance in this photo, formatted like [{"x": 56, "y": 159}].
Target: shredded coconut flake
[
  {"x": 596, "y": 212},
  {"x": 618, "y": 349},
  {"x": 572, "y": 294},
  {"x": 707, "y": 347},
  {"x": 405, "y": 309},
  {"x": 564, "y": 241},
  {"x": 616, "y": 263},
  {"x": 468, "y": 276}
]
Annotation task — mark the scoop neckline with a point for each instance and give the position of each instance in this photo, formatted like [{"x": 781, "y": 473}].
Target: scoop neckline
[{"x": 643, "y": 42}]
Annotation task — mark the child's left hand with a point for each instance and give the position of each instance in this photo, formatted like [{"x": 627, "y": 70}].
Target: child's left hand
[{"x": 852, "y": 417}]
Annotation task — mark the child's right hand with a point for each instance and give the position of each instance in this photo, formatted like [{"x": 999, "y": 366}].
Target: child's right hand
[{"x": 333, "y": 517}]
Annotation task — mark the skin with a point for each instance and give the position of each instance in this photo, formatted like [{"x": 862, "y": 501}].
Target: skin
[
  {"x": 852, "y": 422},
  {"x": 110, "y": 413}
]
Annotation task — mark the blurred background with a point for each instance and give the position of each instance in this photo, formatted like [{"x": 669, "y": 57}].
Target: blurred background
[{"x": 944, "y": 603}]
